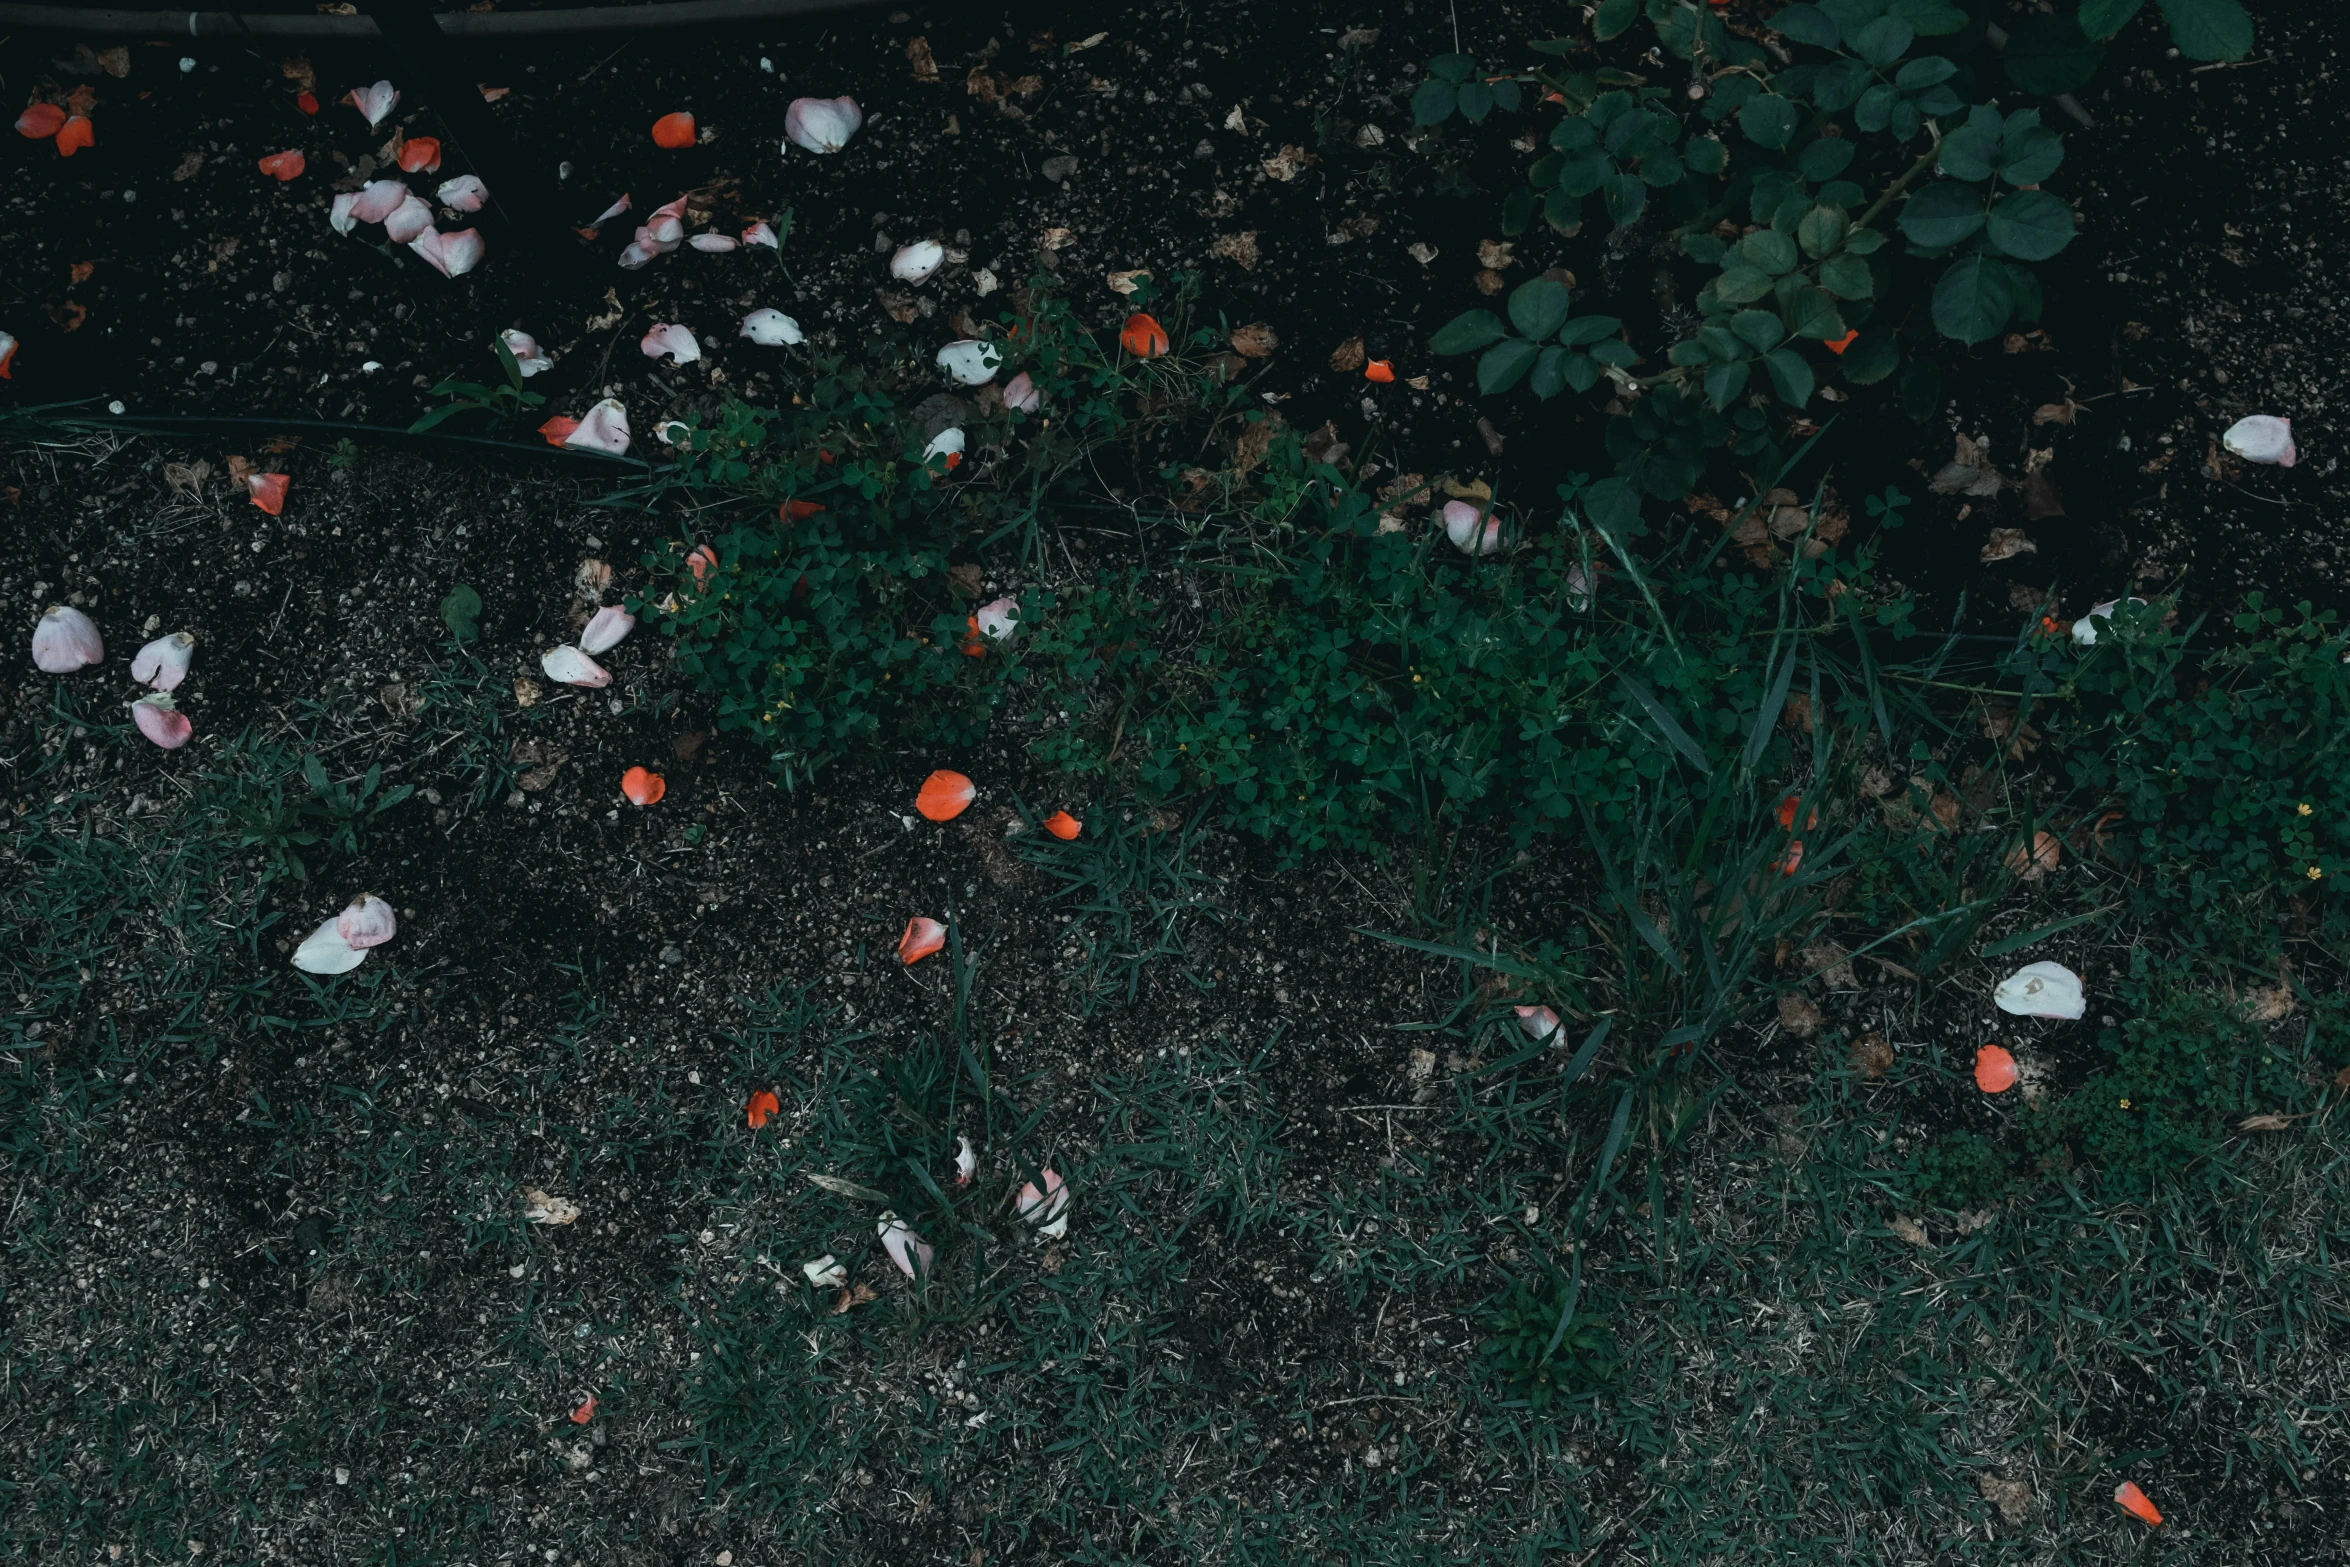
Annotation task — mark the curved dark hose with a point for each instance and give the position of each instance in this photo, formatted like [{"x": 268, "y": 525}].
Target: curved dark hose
[
  {"x": 162, "y": 424},
  {"x": 459, "y": 24}
]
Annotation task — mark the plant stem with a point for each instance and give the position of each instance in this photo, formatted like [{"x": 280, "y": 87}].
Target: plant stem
[{"x": 1898, "y": 186}]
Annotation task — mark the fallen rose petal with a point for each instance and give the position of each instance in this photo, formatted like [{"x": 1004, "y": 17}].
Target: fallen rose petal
[
  {"x": 1063, "y": 826},
  {"x": 379, "y": 199},
  {"x": 420, "y": 155},
  {"x": 821, "y": 124},
  {"x": 970, "y": 361},
  {"x": 1379, "y": 370},
  {"x": 367, "y": 922},
  {"x": 409, "y": 219},
  {"x": 1538, "y": 1022},
  {"x": 2133, "y": 1501},
  {"x": 674, "y": 131},
  {"x": 966, "y": 1162},
  {"x": 611, "y": 212},
  {"x": 306, "y": 101},
  {"x": 761, "y": 234},
  {"x": 163, "y": 663},
  {"x": 998, "y": 619},
  {"x": 66, "y": 640},
  {"x": 162, "y": 722},
  {"x": 343, "y": 216},
  {"x": 712, "y": 244},
  {"x": 772, "y": 329},
  {"x": 584, "y": 1413},
  {"x": 40, "y": 121},
  {"x": 947, "y": 444},
  {"x": 922, "y": 937},
  {"x": 606, "y": 629},
  {"x": 826, "y": 1272},
  {"x": 74, "y": 135},
  {"x": 678, "y": 342},
  {"x": 559, "y": 430},
  {"x": 944, "y": 796},
  {"x": 1994, "y": 1069},
  {"x": 284, "y": 165},
  {"x": 326, "y": 952},
  {"x": 762, "y": 1105},
  {"x": 643, "y": 787},
  {"x": 2041, "y": 990},
  {"x": 7, "y": 353},
  {"x": 451, "y": 255},
  {"x": 605, "y": 429},
  {"x": 529, "y": 358},
  {"x": 465, "y": 193},
  {"x": 905, "y": 1248},
  {"x": 701, "y": 560},
  {"x": 635, "y": 256},
  {"x": 916, "y": 262},
  {"x": 2262, "y": 438},
  {"x": 1470, "y": 529},
  {"x": 574, "y": 668},
  {"x": 1046, "y": 1212},
  {"x": 1142, "y": 336},
  {"x": 268, "y": 491},
  {"x": 373, "y": 102},
  {"x": 1020, "y": 392}
]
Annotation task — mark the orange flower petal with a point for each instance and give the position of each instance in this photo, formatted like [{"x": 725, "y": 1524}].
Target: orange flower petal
[
  {"x": 284, "y": 165},
  {"x": 800, "y": 511},
  {"x": 1063, "y": 826},
  {"x": 558, "y": 429},
  {"x": 702, "y": 560},
  {"x": 1787, "y": 809},
  {"x": 1792, "y": 861},
  {"x": 74, "y": 135},
  {"x": 269, "y": 491},
  {"x": 1379, "y": 370},
  {"x": 2133, "y": 1501},
  {"x": 944, "y": 796},
  {"x": 40, "y": 121},
  {"x": 307, "y": 102},
  {"x": 674, "y": 130},
  {"x": 643, "y": 786},
  {"x": 1844, "y": 342},
  {"x": 1143, "y": 337},
  {"x": 420, "y": 153},
  {"x": 923, "y": 937},
  {"x": 585, "y": 1412},
  {"x": 763, "y": 1104},
  {"x": 1994, "y": 1070}
]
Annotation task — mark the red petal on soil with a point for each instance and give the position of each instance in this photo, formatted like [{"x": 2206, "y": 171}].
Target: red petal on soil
[
  {"x": 1142, "y": 336},
  {"x": 307, "y": 102},
  {"x": 674, "y": 130},
  {"x": 269, "y": 491},
  {"x": 923, "y": 937},
  {"x": 763, "y": 1104},
  {"x": 284, "y": 165},
  {"x": 800, "y": 511},
  {"x": 1379, "y": 370},
  {"x": 703, "y": 560},
  {"x": 40, "y": 121},
  {"x": 585, "y": 1412},
  {"x": 558, "y": 429},
  {"x": 974, "y": 645},
  {"x": 1995, "y": 1074},
  {"x": 1788, "y": 808},
  {"x": 74, "y": 136},
  {"x": 1063, "y": 826},
  {"x": 1839, "y": 345},
  {"x": 643, "y": 787},
  {"x": 945, "y": 795},
  {"x": 7, "y": 353},
  {"x": 2133, "y": 1501},
  {"x": 420, "y": 153}
]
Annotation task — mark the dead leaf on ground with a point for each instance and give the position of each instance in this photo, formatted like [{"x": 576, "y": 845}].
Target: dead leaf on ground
[
  {"x": 1250, "y": 446},
  {"x": 187, "y": 478},
  {"x": 589, "y": 579},
  {"x": 2268, "y": 1123},
  {"x": 1237, "y": 121},
  {"x": 190, "y": 162},
  {"x": 1325, "y": 446},
  {"x": 1496, "y": 253},
  {"x": 1798, "y": 1016},
  {"x": 1257, "y": 340},
  {"x": 965, "y": 579},
  {"x": 2269, "y": 1004},
  {"x": 1871, "y": 1056},
  {"x": 1421, "y": 251},
  {"x": 238, "y": 469},
  {"x": 1288, "y": 163},
  {"x": 1910, "y": 1230},
  {"x": 1829, "y": 961},
  {"x": 526, "y": 691},
  {"x": 919, "y": 57},
  {"x": 1056, "y": 239},
  {"x": 1241, "y": 249},
  {"x": 688, "y": 746},
  {"x": 1467, "y": 489},
  {"x": 2013, "y": 1498},
  {"x": 844, "y": 1188},
  {"x": 2044, "y": 856},
  {"x": 115, "y": 62},
  {"x": 1491, "y": 282},
  {"x": 2040, "y": 495},
  {"x": 399, "y": 701},
  {"x": 80, "y": 271},
  {"x": 1420, "y": 1066},
  {"x": 296, "y": 68},
  {"x": 1969, "y": 472},
  {"x": 902, "y": 308},
  {"x": 2058, "y": 413},
  {"x": 1128, "y": 281},
  {"x": 536, "y": 779},
  {"x": 540, "y": 1208},
  {"x": 1089, "y": 42},
  {"x": 1348, "y": 357},
  {"x": 2006, "y": 544},
  {"x": 855, "y": 1295}
]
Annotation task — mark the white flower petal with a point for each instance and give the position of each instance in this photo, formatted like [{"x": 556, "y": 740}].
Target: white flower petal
[
  {"x": 971, "y": 361},
  {"x": 341, "y": 217},
  {"x": 163, "y": 663},
  {"x": 2262, "y": 438},
  {"x": 714, "y": 244},
  {"x": 761, "y": 234},
  {"x": 611, "y": 212},
  {"x": 2041, "y": 990},
  {"x": 905, "y": 1248},
  {"x": 1020, "y": 392},
  {"x": 999, "y": 619},
  {"x": 678, "y": 342},
  {"x": 379, "y": 200},
  {"x": 66, "y": 640},
  {"x": 367, "y": 922},
  {"x": 466, "y": 193},
  {"x": 529, "y": 358},
  {"x": 574, "y": 668},
  {"x": 411, "y": 218},
  {"x": 966, "y": 1162},
  {"x": 826, "y": 1272},
  {"x": 326, "y": 952},
  {"x": 822, "y": 124},
  {"x": 914, "y": 263},
  {"x": 1047, "y": 1212},
  {"x": 607, "y": 629},
  {"x": 605, "y": 429},
  {"x": 772, "y": 329},
  {"x": 374, "y": 102},
  {"x": 451, "y": 255},
  {"x": 947, "y": 443}
]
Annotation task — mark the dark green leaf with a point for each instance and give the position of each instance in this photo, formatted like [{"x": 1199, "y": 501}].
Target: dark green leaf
[
  {"x": 1455, "y": 68},
  {"x": 1872, "y": 357},
  {"x": 2209, "y": 29},
  {"x": 1807, "y": 24},
  {"x": 1508, "y": 95},
  {"x": 1504, "y": 365},
  {"x": 1821, "y": 231},
  {"x": 1930, "y": 18},
  {"x": 1884, "y": 40},
  {"x": 1770, "y": 250},
  {"x": 1724, "y": 382},
  {"x": 1615, "y": 351},
  {"x": 1741, "y": 283},
  {"x": 1674, "y": 734},
  {"x": 1589, "y": 329},
  {"x": 1706, "y": 155},
  {"x": 1942, "y": 214},
  {"x": 1970, "y": 153},
  {"x": 1905, "y": 119},
  {"x": 2103, "y": 18},
  {"x": 1434, "y": 102},
  {"x": 1467, "y": 332},
  {"x": 1816, "y": 316},
  {"x": 1790, "y": 376},
  {"x": 1840, "y": 84},
  {"x": 1613, "y": 17},
  {"x": 1768, "y": 120},
  {"x": 2051, "y": 55},
  {"x": 1705, "y": 249},
  {"x": 1583, "y": 372},
  {"x": 1847, "y": 277},
  {"x": 1920, "y": 74},
  {"x": 2030, "y": 225},
  {"x": 1661, "y": 168},
  {"x": 1538, "y": 307},
  {"x": 1561, "y": 210},
  {"x": 1626, "y": 199},
  {"x": 1759, "y": 329},
  {"x": 1875, "y": 110},
  {"x": 1476, "y": 102},
  {"x": 1517, "y": 209},
  {"x": 1573, "y": 132},
  {"x": 1550, "y": 373},
  {"x": 1825, "y": 159},
  {"x": 2028, "y": 157},
  {"x": 1585, "y": 170},
  {"x": 1974, "y": 299},
  {"x": 461, "y": 613}
]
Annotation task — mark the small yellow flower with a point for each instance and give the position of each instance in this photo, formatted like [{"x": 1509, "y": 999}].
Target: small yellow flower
[
  {"x": 2303, "y": 808},
  {"x": 2125, "y": 1104},
  {"x": 2317, "y": 873}
]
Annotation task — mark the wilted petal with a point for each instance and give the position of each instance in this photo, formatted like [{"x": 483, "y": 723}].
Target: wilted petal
[
  {"x": 574, "y": 668},
  {"x": 948, "y": 444},
  {"x": 713, "y": 244},
  {"x": 611, "y": 212},
  {"x": 2133, "y": 1501},
  {"x": 161, "y": 721},
  {"x": 922, "y": 937},
  {"x": 2262, "y": 438},
  {"x": 368, "y": 922},
  {"x": 1020, "y": 392},
  {"x": 669, "y": 338},
  {"x": 1995, "y": 1071},
  {"x": 825, "y": 1272},
  {"x": 268, "y": 491},
  {"x": 772, "y": 329},
  {"x": 283, "y": 166},
  {"x": 529, "y": 358},
  {"x": 379, "y": 200},
  {"x": 1047, "y": 1212},
  {"x": 374, "y": 102},
  {"x": 966, "y": 1162},
  {"x": 944, "y": 795},
  {"x": 421, "y": 155},
  {"x": 971, "y": 361},
  {"x": 326, "y": 952},
  {"x": 821, "y": 124},
  {"x": 466, "y": 193},
  {"x": 2041, "y": 990},
  {"x": 163, "y": 663},
  {"x": 605, "y": 429},
  {"x": 635, "y": 256},
  {"x": 1063, "y": 826},
  {"x": 409, "y": 219},
  {"x": 998, "y": 619},
  {"x": 343, "y": 217},
  {"x": 905, "y": 1248},
  {"x": 673, "y": 131},
  {"x": 606, "y": 629},
  {"x": 66, "y": 640},
  {"x": 661, "y": 236},
  {"x": 914, "y": 263},
  {"x": 1538, "y": 1022},
  {"x": 1470, "y": 530},
  {"x": 761, "y": 234},
  {"x": 451, "y": 255}
]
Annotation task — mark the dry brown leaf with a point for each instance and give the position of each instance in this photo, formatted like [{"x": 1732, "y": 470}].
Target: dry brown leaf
[
  {"x": 1969, "y": 472},
  {"x": 902, "y": 308},
  {"x": 2006, "y": 543},
  {"x": 589, "y": 579},
  {"x": 2268, "y": 1123},
  {"x": 537, "y": 778},
  {"x": 2057, "y": 413},
  {"x": 296, "y": 68},
  {"x": 1239, "y": 248},
  {"x": 1288, "y": 163},
  {"x": 2040, "y": 495},
  {"x": 187, "y": 478},
  {"x": 80, "y": 271},
  {"x": 965, "y": 579},
  {"x": 1257, "y": 340},
  {"x": 1421, "y": 251},
  {"x": 1128, "y": 281},
  {"x": 526, "y": 691},
  {"x": 1829, "y": 961},
  {"x": 1491, "y": 282},
  {"x": 2045, "y": 854},
  {"x": 688, "y": 746},
  {"x": 2269, "y": 1004},
  {"x": 2013, "y": 1498},
  {"x": 1348, "y": 357},
  {"x": 1909, "y": 1230},
  {"x": 1496, "y": 253},
  {"x": 115, "y": 62},
  {"x": 857, "y": 1295},
  {"x": 1056, "y": 239},
  {"x": 1871, "y": 1056},
  {"x": 1325, "y": 446},
  {"x": 1798, "y": 1016},
  {"x": 919, "y": 57},
  {"x": 540, "y": 1208}
]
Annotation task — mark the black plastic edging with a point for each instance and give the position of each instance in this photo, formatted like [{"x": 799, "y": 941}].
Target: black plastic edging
[
  {"x": 248, "y": 424},
  {"x": 458, "y": 24}
]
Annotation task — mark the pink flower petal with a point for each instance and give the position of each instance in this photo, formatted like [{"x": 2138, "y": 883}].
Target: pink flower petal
[
  {"x": 163, "y": 663},
  {"x": 669, "y": 338},
  {"x": 465, "y": 193},
  {"x": 605, "y": 429},
  {"x": 326, "y": 952},
  {"x": 1047, "y": 1212},
  {"x": 761, "y": 234},
  {"x": 607, "y": 629},
  {"x": 574, "y": 668},
  {"x": 908, "y": 1250},
  {"x": 66, "y": 640},
  {"x": 998, "y": 619},
  {"x": 343, "y": 217},
  {"x": 1020, "y": 392},
  {"x": 379, "y": 200},
  {"x": 368, "y": 922},
  {"x": 822, "y": 124},
  {"x": 408, "y": 220},
  {"x": 451, "y": 255},
  {"x": 162, "y": 722},
  {"x": 714, "y": 244},
  {"x": 529, "y": 358},
  {"x": 374, "y": 102}
]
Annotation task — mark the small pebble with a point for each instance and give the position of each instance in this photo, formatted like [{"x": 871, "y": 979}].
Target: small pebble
[
  {"x": 187, "y": 63},
  {"x": 672, "y": 956}
]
